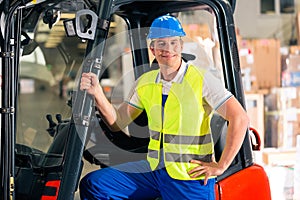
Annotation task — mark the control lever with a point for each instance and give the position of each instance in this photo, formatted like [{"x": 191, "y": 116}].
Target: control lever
[
  {"x": 58, "y": 118},
  {"x": 52, "y": 124}
]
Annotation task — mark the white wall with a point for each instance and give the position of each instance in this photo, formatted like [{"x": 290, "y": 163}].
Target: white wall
[{"x": 254, "y": 25}]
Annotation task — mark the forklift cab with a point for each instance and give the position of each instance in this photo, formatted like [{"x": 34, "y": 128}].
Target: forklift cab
[{"x": 111, "y": 41}]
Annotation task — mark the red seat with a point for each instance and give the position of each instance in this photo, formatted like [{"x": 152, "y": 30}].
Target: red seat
[{"x": 250, "y": 183}]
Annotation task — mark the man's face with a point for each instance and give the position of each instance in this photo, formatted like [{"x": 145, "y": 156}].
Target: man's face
[{"x": 167, "y": 51}]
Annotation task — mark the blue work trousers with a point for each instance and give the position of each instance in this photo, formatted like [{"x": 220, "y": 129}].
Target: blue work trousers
[{"x": 135, "y": 180}]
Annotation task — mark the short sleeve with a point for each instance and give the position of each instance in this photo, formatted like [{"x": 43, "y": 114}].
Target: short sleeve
[
  {"x": 133, "y": 98},
  {"x": 214, "y": 91}
]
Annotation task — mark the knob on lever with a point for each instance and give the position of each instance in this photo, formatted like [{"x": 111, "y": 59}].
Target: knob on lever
[
  {"x": 52, "y": 124},
  {"x": 58, "y": 118}
]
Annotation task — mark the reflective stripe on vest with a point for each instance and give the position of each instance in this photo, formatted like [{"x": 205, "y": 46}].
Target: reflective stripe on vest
[{"x": 185, "y": 126}]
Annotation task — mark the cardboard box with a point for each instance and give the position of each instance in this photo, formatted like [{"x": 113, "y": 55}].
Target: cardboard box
[
  {"x": 263, "y": 57},
  {"x": 282, "y": 117},
  {"x": 291, "y": 71},
  {"x": 295, "y": 102},
  {"x": 281, "y": 157},
  {"x": 267, "y": 62},
  {"x": 281, "y": 181},
  {"x": 293, "y": 62},
  {"x": 246, "y": 64},
  {"x": 294, "y": 50},
  {"x": 194, "y": 31},
  {"x": 280, "y": 133},
  {"x": 246, "y": 54}
]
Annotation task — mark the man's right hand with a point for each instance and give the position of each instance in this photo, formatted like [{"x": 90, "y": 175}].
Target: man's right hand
[{"x": 90, "y": 83}]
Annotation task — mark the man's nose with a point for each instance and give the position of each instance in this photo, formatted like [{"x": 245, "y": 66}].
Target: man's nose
[{"x": 167, "y": 47}]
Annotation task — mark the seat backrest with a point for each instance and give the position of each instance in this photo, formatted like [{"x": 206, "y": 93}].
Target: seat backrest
[{"x": 219, "y": 130}]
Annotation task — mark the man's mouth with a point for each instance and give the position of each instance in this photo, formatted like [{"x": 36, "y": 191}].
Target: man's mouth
[{"x": 168, "y": 56}]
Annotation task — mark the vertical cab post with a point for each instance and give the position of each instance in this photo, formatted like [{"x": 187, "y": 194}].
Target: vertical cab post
[{"x": 82, "y": 109}]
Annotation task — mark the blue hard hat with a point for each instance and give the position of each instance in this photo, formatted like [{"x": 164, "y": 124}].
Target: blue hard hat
[{"x": 165, "y": 26}]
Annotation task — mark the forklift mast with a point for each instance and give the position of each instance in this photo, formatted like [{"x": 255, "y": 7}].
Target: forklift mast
[{"x": 30, "y": 173}]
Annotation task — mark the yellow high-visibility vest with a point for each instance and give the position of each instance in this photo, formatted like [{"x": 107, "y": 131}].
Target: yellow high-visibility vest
[{"x": 184, "y": 124}]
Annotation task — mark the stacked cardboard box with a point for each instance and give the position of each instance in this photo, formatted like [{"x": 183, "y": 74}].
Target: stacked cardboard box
[
  {"x": 282, "y": 104},
  {"x": 279, "y": 157},
  {"x": 263, "y": 58},
  {"x": 197, "y": 30},
  {"x": 291, "y": 74},
  {"x": 294, "y": 50},
  {"x": 282, "y": 117},
  {"x": 267, "y": 62}
]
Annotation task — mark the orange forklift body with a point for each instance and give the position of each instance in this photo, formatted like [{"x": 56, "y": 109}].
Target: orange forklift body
[{"x": 248, "y": 184}]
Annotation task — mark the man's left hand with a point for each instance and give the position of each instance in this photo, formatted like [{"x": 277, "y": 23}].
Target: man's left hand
[{"x": 205, "y": 168}]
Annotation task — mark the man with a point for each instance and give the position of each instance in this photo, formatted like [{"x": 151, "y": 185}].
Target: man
[{"x": 178, "y": 99}]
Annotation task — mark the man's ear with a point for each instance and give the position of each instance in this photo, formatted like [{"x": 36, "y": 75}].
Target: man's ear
[{"x": 152, "y": 49}]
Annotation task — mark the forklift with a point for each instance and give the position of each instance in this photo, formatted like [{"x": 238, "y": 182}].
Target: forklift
[{"x": 51, "y": 170}]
